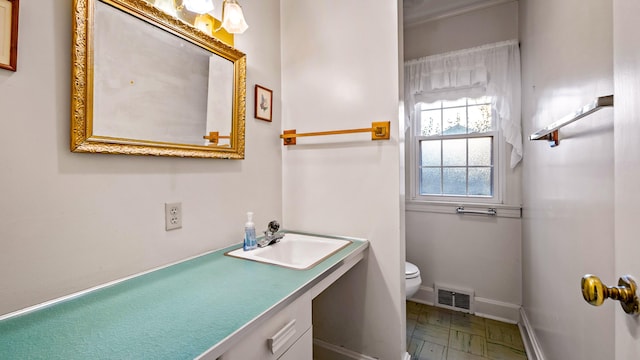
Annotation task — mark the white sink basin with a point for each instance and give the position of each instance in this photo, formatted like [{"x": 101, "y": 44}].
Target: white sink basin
[{"x": 295, "y": 251}]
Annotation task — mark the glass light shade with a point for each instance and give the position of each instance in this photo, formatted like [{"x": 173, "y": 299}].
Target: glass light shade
[
  {"x": 199, "y": 6},
  {"x": 204, "y": 22},
  {"x": 233, "y": 20},
  {"x": 168, "y": 6}
]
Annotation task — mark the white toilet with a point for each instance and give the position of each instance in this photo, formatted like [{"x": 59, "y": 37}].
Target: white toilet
[{"x": 412, "y": 279}]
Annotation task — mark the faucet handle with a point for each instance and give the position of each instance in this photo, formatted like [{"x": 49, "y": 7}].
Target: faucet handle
[{"x": 273, "y": 227}]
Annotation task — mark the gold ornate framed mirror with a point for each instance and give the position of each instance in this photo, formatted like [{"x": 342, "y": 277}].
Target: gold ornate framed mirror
[{"x": 148, "y": 83}]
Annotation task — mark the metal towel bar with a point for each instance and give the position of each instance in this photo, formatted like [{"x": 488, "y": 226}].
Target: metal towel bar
[
  {"x": 380, "y": 130},
  {"x": 550, "y": 133},
  {"x": 489, "y": 211}
]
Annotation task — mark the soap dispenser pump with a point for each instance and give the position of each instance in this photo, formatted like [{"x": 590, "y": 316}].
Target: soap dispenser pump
[{"x": 249, "y": 233}]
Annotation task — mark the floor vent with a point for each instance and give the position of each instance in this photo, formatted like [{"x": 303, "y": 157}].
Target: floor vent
[{"x": 454, "y": 299}]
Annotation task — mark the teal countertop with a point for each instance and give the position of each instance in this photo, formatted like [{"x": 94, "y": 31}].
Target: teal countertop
[{"x": 177, "y": 312}]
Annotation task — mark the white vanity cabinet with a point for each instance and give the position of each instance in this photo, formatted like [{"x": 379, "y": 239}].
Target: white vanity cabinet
[
  {"x": 284, "y": 331},
  {"x": 287, "y": 335}
]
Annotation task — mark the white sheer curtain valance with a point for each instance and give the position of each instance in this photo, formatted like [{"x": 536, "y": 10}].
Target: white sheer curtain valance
[{"x": 489, "y": 70}]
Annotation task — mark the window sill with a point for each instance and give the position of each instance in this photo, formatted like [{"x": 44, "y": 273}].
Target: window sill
[{"x": 449, "y": 207}]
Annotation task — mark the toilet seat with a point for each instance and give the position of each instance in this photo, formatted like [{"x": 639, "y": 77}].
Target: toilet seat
[{"x": 411, "y": 271}]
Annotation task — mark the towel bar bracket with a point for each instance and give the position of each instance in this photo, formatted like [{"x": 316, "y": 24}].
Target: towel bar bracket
[
  {"x": 552, "y": 138},
  {"x": 288, "y": 140}
]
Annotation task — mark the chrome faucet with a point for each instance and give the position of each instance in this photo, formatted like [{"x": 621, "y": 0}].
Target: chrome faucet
[{"x": 271, "y": 236}]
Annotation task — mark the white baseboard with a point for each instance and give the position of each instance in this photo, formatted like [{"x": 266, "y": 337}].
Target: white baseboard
[
  {"x": 325, "y": 350},
  {"x": 497, "y": 310},
  {"x": 531, "y": 345},
  {"x": 488, "y": 308}
]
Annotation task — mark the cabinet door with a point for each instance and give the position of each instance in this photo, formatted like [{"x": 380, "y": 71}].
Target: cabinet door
[{"x": 301, "y": 350}]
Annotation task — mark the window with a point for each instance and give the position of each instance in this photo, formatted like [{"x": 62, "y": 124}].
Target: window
[{"x": 456, "y": 150}]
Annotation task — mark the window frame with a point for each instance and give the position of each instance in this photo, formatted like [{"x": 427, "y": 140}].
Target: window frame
[{"x": 497, "y": 158}]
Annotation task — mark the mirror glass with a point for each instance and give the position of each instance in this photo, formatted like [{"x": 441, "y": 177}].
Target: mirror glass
[{"x": 154, "y": 85}]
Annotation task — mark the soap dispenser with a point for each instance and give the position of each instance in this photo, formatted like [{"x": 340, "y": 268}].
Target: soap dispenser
[{"x": 249, "y": 233}]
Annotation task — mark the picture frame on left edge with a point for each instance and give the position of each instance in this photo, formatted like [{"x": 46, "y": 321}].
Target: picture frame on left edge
[
  {"x": 263, "y": 103},
  {"x": 9, "y": 34}
]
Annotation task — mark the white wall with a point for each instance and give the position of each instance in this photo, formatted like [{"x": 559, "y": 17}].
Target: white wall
[
  {"x": 568, "y": 226},
  {"x": 341, "y": 72},
  {"x": 462, "y": 31},
  {"x": 468, "y": 252},
  {"x": 71, "y": 221}
]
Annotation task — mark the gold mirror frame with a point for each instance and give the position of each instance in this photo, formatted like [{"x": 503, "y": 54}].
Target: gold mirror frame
[{"x": 82, "y": 138}]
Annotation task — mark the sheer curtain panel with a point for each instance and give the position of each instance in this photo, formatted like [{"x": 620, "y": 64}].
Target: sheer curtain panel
[{"x": 490, "y": 70}]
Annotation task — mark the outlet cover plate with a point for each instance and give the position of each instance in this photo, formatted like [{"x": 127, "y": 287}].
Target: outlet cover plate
[{"x": 172, "y": 216}]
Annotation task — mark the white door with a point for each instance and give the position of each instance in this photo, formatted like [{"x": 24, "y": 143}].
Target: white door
[{"x": 626, "y": 44}]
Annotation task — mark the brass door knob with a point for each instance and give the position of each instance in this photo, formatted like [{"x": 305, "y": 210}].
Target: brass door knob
[{"x": 595, "y": 292}]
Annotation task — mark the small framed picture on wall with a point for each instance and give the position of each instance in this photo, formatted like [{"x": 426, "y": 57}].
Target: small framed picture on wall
[
  {"x": 264, "y": 103},
  {"x": 8, "y": 34}
]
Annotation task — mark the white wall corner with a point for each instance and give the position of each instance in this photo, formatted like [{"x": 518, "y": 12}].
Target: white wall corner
[
  {"x": 531, "y": 345},
  {"x": 483, "y": 307}
]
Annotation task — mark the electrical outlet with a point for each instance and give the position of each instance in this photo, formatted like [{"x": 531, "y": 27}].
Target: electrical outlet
[{"x": 172, "y": 216}]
